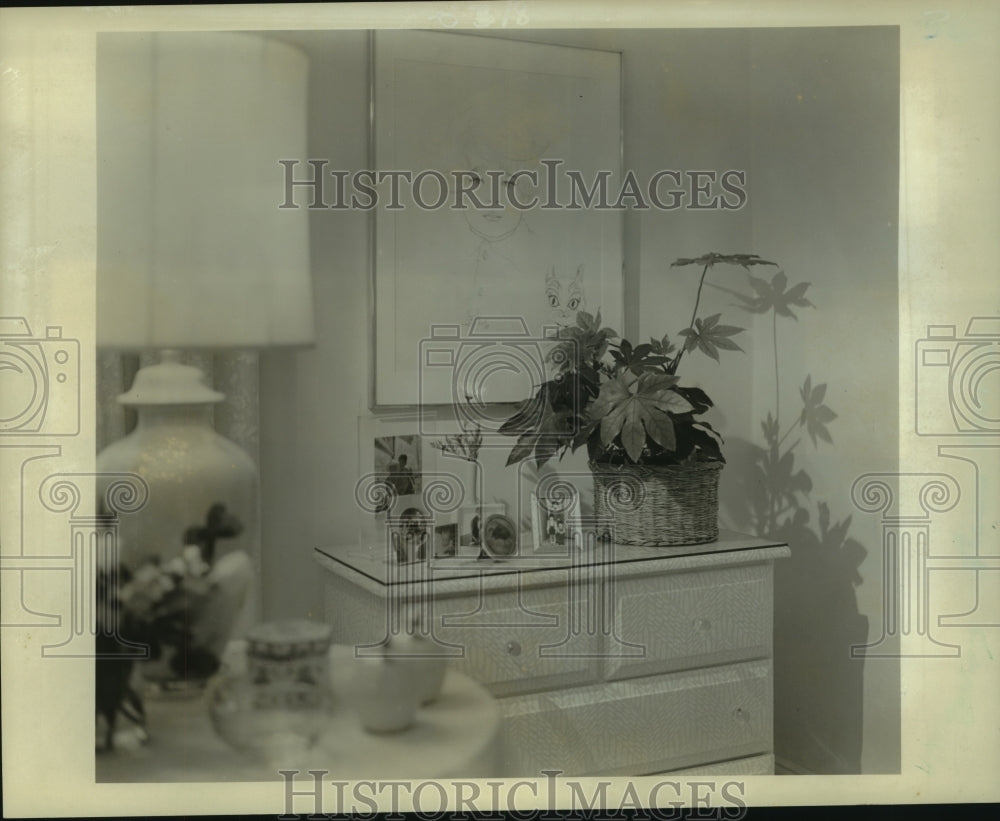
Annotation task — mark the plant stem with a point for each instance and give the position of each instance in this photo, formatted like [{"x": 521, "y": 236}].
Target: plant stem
[
  {"x": 787, "y": 434},
  {"x": 697, "y": 298},
  {"x": 694, "y": 315},
  {"x": 772, "y": 514},
  {"x": 777, "y": 392}
]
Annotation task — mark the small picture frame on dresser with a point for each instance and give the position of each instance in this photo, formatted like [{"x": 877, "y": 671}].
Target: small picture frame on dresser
[
  {"x": 445, "y": 540},
  {"x": 399, "y": 459},
  {"x": 500, "y": 540},
  {"x": 410, "y": 536},
  {"x": 470, "y": 527},
  {"x": 555, "y": 522},
  {"x": 394, "y": 461}
]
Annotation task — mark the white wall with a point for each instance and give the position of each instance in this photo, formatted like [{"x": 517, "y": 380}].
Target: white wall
[
  {"x": 310, "y": 400},
  {"x": 824, "y": 177},
  {"x": 812, "y": 117}
]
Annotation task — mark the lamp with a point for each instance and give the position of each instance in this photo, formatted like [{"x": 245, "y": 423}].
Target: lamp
[{"x": 194, "y": 253}]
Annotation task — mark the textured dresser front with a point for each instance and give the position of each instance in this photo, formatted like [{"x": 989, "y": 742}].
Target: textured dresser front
[{"x": 655, "y": 666}]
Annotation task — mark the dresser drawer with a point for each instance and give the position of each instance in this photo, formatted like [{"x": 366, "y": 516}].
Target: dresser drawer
[
  {"x": 642, "y": 726},
  {"x": 518, "y": 643},
  {"x": 689, "y": 620}
]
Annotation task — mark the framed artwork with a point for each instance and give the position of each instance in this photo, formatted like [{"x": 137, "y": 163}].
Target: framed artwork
[
  {"x": 555, "y": 522},
  {"x": 479, "y": 134}
]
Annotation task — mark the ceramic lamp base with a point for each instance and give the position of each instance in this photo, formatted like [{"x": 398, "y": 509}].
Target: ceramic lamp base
[{"x": 203, "y": 491}]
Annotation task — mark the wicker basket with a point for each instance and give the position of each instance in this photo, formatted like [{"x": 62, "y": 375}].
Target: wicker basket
[{"x": 659, "y": 506}]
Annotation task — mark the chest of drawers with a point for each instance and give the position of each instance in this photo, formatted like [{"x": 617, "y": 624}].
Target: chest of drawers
[{"x": 624, "y": 661}]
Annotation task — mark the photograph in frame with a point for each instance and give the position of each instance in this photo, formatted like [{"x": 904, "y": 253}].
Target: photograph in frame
[
  {"x": 445, "y": 540},
  {"x": 555, "y": 522},
  {"x": 500, "y": 537},
  {"x": 393, "y": 460},
  {"x": 471, "y": 522}
]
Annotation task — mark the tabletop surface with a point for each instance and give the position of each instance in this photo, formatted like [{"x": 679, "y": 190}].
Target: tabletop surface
[
  {"x": 373, "y": 565},
  {"x": 457, "y": 736}
]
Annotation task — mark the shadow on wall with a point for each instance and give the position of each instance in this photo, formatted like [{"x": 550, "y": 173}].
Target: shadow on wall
[{"x": 817, "y": 619}]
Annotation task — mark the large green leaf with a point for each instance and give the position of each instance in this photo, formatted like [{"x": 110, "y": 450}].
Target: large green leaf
[
  {"x": 639, "y": 359},
  {"x": 708, "y": 336},
  {"x": 580, "y": 345},
  {"x": 708, "y": 260},
  {"x": 634, "y": 408},
  {"x": 522, "y": 450},
  {"x": 528, "y": 414}
]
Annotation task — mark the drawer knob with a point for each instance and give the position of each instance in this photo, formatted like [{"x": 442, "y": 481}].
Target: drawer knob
[
  {"x": 513, "y": 648},
  {"x": 702, "y": 625},
  {"x": 741, "y": 715}
]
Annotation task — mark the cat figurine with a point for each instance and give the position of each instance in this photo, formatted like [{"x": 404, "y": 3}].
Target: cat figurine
[{"x": 565, "y": 299}]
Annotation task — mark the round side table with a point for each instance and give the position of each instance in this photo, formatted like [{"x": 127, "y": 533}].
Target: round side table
[{"x": 458, "y": 736}]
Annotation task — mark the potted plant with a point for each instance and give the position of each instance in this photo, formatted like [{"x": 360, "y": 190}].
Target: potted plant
[{"x": 653, "y": 456}]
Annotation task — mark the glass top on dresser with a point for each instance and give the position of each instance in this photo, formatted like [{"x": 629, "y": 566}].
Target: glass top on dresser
[{"x": 378, "y": 564}]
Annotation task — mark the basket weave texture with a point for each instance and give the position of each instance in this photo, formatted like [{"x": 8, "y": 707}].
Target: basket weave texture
[{"x": 659, "y": 506}]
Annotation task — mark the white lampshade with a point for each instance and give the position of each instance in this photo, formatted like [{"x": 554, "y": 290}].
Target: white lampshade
[{"x": 193, "y": 250}]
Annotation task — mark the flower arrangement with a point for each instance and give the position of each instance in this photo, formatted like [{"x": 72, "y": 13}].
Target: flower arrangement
[
  {"x": 160, "y": 600},
  {"x": 175, "y": 615},
  {"x": 154, "y": 606},
  {"x": 624, "y": 401},
  {"x": 464, "y": 445}
]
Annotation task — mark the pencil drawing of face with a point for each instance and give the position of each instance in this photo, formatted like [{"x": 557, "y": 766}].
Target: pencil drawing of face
[
  {"x": 505, "y": 128},
  {"x": 491, "y": 224},
  {"x": 565, "y": 297}
]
